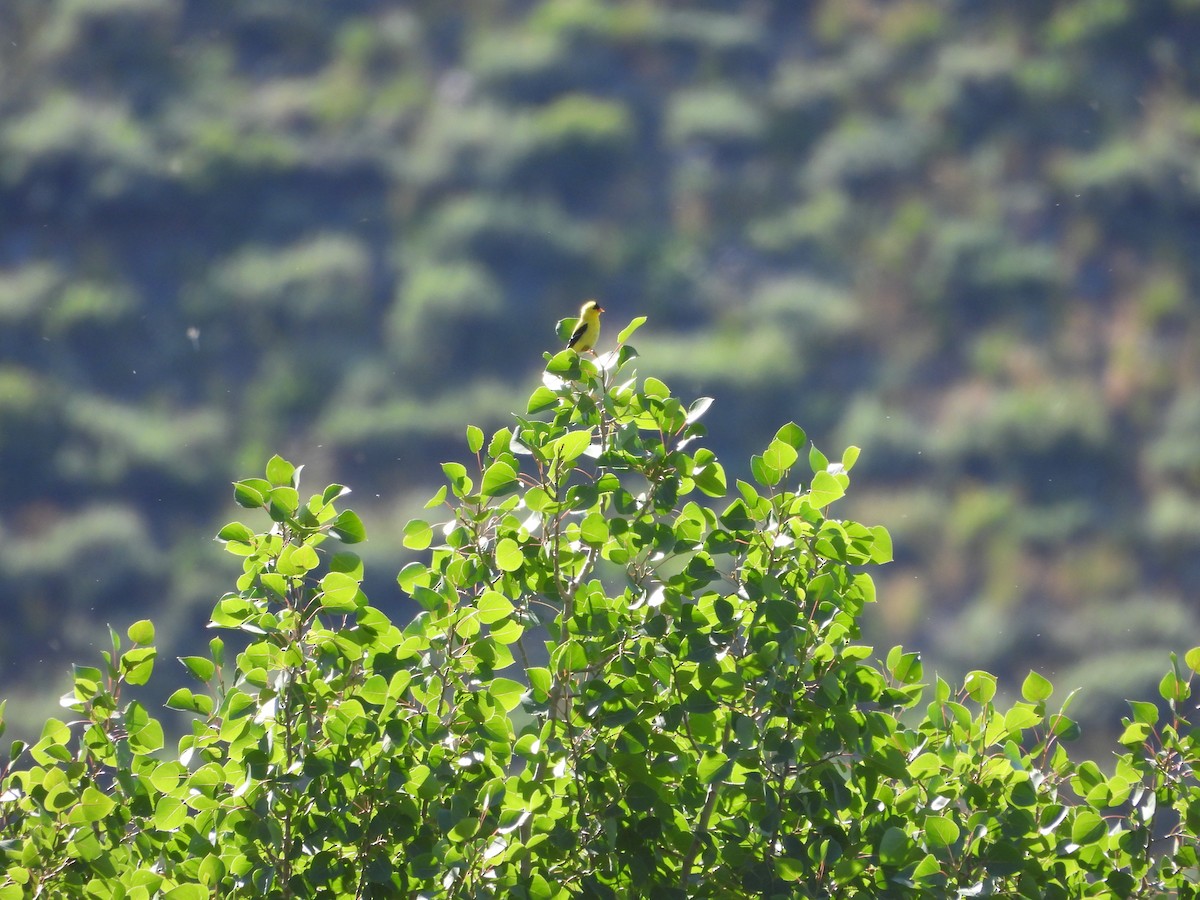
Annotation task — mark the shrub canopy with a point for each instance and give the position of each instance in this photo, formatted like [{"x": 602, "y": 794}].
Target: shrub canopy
[{"x": 626, "y": 680}]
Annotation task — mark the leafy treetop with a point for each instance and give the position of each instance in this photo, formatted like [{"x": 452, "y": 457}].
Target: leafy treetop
[{"x": 612, "y": 689}]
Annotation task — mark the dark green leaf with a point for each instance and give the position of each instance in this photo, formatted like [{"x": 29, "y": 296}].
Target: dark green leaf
[{"x": 895, "y": 847}]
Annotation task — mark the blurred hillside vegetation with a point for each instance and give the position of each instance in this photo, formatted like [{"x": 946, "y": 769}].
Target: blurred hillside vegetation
[{"x": 962, "y": 235}]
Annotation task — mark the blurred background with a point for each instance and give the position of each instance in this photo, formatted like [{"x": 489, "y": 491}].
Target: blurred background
[{"x": 962, "y": 234}]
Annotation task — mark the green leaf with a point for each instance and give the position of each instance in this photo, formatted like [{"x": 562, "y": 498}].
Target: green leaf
[
  {"x": 565, "y": 364},
  {"x": 333, "y": 492},
  {"x": 541, "y": 399},
  {"x": 297, "y": 560},
  {"x": 141, "y": 632},
  {"x": 148, "y": 738},
  {"x": 418, "y": 535},
  {"x": 339, "y": 592},
  {"x": 980, "y": 686},
  {"x": 282, "y": 503},
  {"x": 499, "y": 479},
  {"x": 188, "y": 892},
  {"x": 788, "y": 868},
  {"x": 437, "y": 499},
  {"x": 138, "y": 664},
  {"x": 348, "y": 527},
  {"x": 374, "y": 690},
  {"x": 941, "y": 831},
  {"x": 186, "y": 701},
  {"x": 1087, "y": 827},
  {"x": 763, "y": 472},
  {"x": 200, "y": 667},
  {"x": 792, "y": 435},
  {"x": 825, "y": 490},
  {"x": 508, "y": 693},
  {"x": 429, "y": 599},
  {"x": 493, "y": 607},
  {"x": 1035, "y": 688},
  {"x": 464, "y": 830},
  {"x": 540, "y": 889},
  {"x": 1144, "y": 712},
  {"x": 850, "y": 457},
  {"x": 1134, "y": 735},
  {"x": 653, "y": 387},
  {"x": 540, "y": 680},
  {"x": 816, "y": 460},
  {"x": 1192, "y": 658},
  {"x": 881, "y": 546},
  {"x": 780, "y": 456},
  {"x": 457, "y": 475},
  {"x": 1064, "y": 727},
  {"x": 500, "y": 443},
  {"x": 895, "y": 847},
  {"x": 231, "y": 611},
  {"x": 280, "y": 472},
  {"x": 628, "y": 330},
  {"x": 252, "y": 493},
  {"x": 509, "y": 557},
  {"x": 711, "y": 479},
  {"x": 906, "y": 668},
  {"x": 1171, "y": 688},
  {"x": 95, "y": 805},
  {"x": 569, "y": 447},
  {"x": 411, "y": 575},
  {"x": 1021, "y": 717},
  {"x": 926, "y": 870},
  {"x": 349, "y": 563},
  {"x": 713, "y": 766},
  {"x": 474, "y": 438},
  {"x": 698, "y": 408},
  {"x": 593, "y": 530},
  {"x": 235, "y": 531}
]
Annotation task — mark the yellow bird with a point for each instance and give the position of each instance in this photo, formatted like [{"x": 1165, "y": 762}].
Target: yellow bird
[{"x": 587, "y": 330}]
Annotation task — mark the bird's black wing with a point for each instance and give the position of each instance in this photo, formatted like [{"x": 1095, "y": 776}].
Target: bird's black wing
[{"x": 577, "y": 334}]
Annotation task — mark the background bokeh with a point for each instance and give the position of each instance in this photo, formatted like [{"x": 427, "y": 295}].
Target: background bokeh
[{"x": 962, "y": 234}]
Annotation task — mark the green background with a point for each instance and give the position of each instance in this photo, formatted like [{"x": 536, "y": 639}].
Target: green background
[{"x": 962, "y": 235}]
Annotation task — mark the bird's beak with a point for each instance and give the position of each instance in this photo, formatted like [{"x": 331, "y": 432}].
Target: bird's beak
[{"x": 599, "y": 308}]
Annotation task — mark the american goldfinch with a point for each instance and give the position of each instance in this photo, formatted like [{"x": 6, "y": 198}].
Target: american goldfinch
[{"x": 587, "y": 330}]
